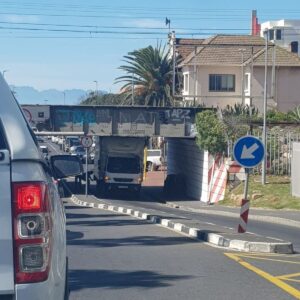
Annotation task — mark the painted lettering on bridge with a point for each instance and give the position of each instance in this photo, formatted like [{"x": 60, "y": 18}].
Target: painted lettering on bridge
[{"x": 75, "y": 116}]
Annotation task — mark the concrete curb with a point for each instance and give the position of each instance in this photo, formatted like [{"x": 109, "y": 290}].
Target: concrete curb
[
  {"x": 196, "y": 233},
  {"x": 266, "y": 219}
]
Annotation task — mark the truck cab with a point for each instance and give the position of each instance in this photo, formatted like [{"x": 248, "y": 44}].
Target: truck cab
[
  {"x": 123, "y": 172},
  {"x": 119, "y": 163}
]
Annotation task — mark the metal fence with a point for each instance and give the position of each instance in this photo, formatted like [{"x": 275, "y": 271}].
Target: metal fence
[{"x": 279, "y": 150}]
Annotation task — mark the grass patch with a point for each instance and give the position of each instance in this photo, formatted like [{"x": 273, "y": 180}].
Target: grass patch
[{"x": 276, "y": 194}]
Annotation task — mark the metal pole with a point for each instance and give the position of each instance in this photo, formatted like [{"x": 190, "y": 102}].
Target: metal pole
[
  {"x": 244, "y": 206},
  {"x": 86, "y": 172},
  {"x": 243, "y": 79},
  {"x": 174, "y": 62},
  {"x": 96, "y": 87},
  {"x": 195, "y": 74},
  {"x": 264, "y": 163},
  {"x": 195, "y": 80},
  {"x": 251, "y": 90},
  {"x": 273, "y": 74},
  {"x": 246, "y": 184},
  {"x": 132, "y": 91}
]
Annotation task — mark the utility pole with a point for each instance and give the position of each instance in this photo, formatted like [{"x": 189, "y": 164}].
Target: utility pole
[
  {"x": 251, "y": 89},
  {"x": 96, "y": 92},
  {"x": 173, "y": 40},
  {"x": 195, "y": 75},
  {"x": 132, "y": 90},
  {"x": 243, "y": 77},
  {"x": 264, "y": 163},
  {"x": 64, "y": 98}
]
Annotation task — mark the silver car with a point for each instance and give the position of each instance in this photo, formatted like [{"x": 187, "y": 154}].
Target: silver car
[{"x": 33, "y": 261}]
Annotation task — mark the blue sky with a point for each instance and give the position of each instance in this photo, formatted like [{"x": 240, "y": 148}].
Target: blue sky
[{"x": 66, "y": 44}]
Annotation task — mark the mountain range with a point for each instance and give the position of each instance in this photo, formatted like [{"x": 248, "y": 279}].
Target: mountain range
[{"x": 29, "y": 95}]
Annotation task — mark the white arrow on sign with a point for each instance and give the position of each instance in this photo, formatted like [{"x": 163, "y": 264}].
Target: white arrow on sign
[{"x": 247, "y": 152}]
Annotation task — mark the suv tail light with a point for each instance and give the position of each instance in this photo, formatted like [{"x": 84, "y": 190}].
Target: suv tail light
[{"x": 32, "y": 231}]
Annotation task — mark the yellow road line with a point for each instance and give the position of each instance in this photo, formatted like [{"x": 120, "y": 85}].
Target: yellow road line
[
  {"x": 290, "y": 279},
  {"x": 271, "y": 259},
  {"x": 284, "y": 286},
  {"x": 289, "y": 275}
]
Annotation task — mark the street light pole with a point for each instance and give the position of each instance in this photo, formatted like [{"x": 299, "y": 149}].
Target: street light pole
[
  {"x": 64, "y": 98},
  {"x": 264, "y": 163},
  {"x": 132, "y": 90},
  {"x": 243, "y": 77},
  {"x": 96, "y": 87}
]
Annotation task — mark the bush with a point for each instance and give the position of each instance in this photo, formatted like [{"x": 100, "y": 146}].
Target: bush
[{"x": 210, "y": 132}]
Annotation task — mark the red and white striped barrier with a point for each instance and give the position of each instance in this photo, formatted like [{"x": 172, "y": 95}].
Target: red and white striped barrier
[
  {"x": 244, "y": 216},
  {"x": 217, "y": 178}
]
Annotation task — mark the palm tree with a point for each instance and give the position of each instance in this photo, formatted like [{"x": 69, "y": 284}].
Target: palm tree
[{"x": 149, "y": 70}]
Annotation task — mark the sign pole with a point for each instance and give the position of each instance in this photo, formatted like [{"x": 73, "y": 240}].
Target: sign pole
[
  {"x": 245, "y": 205},
  {"x": 86, "y": 172},
  {"x": 86, "y": 142},
  {"x": 248, "y": 152}
]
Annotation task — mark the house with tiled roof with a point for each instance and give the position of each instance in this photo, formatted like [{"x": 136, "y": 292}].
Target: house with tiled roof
[{"x": 229, "y": 69}]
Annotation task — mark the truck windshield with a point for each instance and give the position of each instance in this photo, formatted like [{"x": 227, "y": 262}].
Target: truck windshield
[{"x": 128, "y": 165}]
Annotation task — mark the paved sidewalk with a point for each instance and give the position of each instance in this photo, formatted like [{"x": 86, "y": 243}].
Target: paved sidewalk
[
  {"x": 154, "y": 181},
  {"x": 283, "y": 217}
]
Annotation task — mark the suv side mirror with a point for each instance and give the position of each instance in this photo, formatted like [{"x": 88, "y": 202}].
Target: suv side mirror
[{"x": 65, "y": 165}]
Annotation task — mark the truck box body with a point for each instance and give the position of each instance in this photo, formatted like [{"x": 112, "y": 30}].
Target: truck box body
[{"x": 118, "y": 162}]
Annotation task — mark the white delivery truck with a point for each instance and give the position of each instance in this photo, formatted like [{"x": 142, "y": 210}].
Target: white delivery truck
[{"x": 118, "y": 163}]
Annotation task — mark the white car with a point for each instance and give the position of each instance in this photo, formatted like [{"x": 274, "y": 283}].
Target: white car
[
  {"x": 153, "y": 159},
  {"x": 44, "y": 150},
  {"x": 33, "y": 261}
]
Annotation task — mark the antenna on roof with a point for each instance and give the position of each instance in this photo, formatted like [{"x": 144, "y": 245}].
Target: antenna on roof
[{"x": 168, "y": 22}]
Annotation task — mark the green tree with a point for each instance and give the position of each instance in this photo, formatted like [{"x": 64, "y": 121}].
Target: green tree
[
  {"x": 104, "y": 99},
  {"x": 211, "y": 132},
  {"x": 150, "y": 71}
]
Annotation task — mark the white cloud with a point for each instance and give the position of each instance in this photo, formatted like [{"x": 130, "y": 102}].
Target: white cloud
[
  {"x": 148, "y": 23},
  {"x": 20, "y": 18}
]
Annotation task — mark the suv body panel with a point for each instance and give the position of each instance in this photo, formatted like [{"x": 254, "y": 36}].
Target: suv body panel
[
  {"x": 6, "y": 245},
  {"x": 24, "y": 162}
]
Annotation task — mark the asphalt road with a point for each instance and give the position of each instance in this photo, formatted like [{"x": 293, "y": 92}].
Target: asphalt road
[
  {"x": 148, "y": 200},
  {"x": 281, "y": 232},
  {"x": 112, "y": 256}
]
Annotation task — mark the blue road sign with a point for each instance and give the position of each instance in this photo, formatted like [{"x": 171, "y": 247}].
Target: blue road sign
[{"x": 248, "y": 151}]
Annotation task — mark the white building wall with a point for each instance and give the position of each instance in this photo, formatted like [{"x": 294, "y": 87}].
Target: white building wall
[
  {"x": 290, "y": 32},
  {"x": 184, "y": 157}
]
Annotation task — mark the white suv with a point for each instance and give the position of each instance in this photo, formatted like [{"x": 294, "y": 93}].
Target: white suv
[
  {"x": 33, "y": 262},
  {"x": 153, "y": 159}
]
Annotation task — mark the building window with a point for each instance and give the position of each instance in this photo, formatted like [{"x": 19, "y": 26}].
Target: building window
[
  {"x": 41, "y": 114},
  {"x": 278, "y": 34},
  {"x": 271, "y": 34},
  {"x": 186, "y": 82},
  {"x": 221, "y": 83},
  {"x": 294, "y": 47}
]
